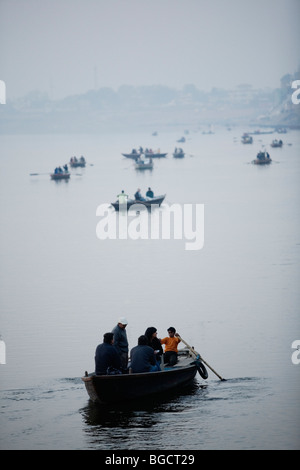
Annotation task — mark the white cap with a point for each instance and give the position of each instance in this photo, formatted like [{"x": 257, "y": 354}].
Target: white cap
[{"x": 123, "y": 321}]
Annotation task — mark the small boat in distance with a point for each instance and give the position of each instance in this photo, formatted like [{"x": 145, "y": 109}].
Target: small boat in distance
[
  {"x": 75, "y": 163},
  {"x": 247, "y": 139},
  {"x": 276, "y": 143},
  {"x": 135, "y": 154},
  {"x": 147, "y": 202},
  {"x": 144, "y": 164},
  {"x": 262, "y": 158},
  {"x": 178, "y": 153},
  {"x": 60, "y": 174},
  {"x": 106, "y": 389}
]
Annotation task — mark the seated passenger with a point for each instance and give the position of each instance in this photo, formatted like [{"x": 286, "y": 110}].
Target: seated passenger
[
  {"x": 154, "y": 342},
  {"x": 150, "y": 193},
  {"x": 138, "y": 196},
  {"x": 106, "y": 356},
  {"x": 171, "y": 343},
  {"x": 142, "y": 357}
]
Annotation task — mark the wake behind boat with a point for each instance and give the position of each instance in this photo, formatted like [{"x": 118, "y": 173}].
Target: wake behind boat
[{"x": 147, "y": 202}]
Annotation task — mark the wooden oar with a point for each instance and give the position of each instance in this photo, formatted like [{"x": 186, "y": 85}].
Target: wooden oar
[
  {"x": 41, "y": 174},
  {"x": 198, "y": 356}
]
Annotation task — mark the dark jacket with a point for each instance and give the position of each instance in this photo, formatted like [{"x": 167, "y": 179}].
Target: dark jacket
[
  {"x": 120, "y": 340},
  {"x": 142, "y": 357},
  {"x": 154, "y": 342},
  {"x": 106, "y": 356}
]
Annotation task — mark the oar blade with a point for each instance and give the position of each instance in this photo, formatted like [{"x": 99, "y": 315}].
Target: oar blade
[{"x": 198, "y": 356}]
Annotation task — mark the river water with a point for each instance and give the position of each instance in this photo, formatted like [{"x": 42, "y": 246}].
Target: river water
[{"x": 236, "y": 300}]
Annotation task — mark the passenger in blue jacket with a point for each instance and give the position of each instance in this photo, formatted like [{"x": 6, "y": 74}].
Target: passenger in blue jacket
[
  {"x": 106, "y": 356},
  {"x": 138, "y": 196},
  {"x": 142, "y": 357}
]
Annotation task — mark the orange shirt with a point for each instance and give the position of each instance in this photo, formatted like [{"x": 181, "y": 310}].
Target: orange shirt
[{"x": 170, "y": 343}]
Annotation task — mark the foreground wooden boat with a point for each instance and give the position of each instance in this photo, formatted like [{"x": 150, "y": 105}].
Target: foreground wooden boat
[
  {"x": 107, "y": 389},
  {"x": 148, "y": 203},
  {"x": 60, "y": 176}
]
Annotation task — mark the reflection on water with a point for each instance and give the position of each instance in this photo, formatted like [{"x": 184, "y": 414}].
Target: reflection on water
[
  {"x": 194, "y": 417},
  {"x": 125, "y": 414},
  {"x": 106, "y": 424}
]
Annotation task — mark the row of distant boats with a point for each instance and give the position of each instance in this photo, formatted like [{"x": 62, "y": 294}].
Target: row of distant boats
[
  {"x": 136, "y": 154},
  {"x": 144, "y": 158},
  {"x": 248, "y": 139}
]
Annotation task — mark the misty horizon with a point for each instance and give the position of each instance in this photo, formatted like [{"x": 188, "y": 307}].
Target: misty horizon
[
  {"x": 68, "y": 48},
  {"x": 47, "y": 95}
]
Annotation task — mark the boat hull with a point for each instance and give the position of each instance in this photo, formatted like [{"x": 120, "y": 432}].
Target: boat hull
[
  {"x": 136, "y": 156},
  {"x": 60, "y": 176},
  {"x": 148, "y": 203},
  {"x": 178, "y": 155},
  {"x": 155, "y": 155},
  {"x": 107, "y": 389},
  {"x": 77, "y": 165},
  {"x": 144, "y": 166},
  {"x": 262, "y": 162}
]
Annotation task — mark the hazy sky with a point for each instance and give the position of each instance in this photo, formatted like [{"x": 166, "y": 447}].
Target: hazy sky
[{"x": 67, "y": 47}]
